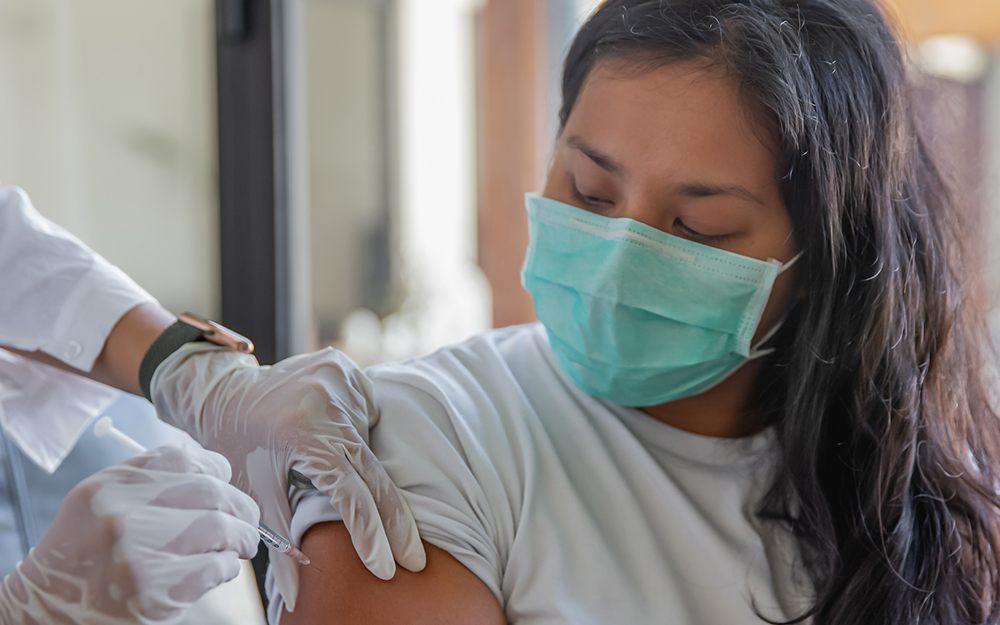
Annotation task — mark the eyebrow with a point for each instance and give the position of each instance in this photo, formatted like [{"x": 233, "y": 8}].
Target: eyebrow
[
  {"x": 600, "y": 159},
  {"x": 701, "y": 189},
  {"x": 689, "y": 189}
]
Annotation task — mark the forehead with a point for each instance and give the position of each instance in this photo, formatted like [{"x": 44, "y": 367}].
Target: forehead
[{"x": 678, "y": 118}]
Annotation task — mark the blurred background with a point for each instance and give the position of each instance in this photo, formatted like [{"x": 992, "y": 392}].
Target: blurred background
[{"x": 345, "y": 172}]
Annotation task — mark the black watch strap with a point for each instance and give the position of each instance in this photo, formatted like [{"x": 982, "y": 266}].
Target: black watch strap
[{"x": 167, "y": 343}]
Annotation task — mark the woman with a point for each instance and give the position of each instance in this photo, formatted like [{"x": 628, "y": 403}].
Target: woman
[{"x": 758, "y": 390}]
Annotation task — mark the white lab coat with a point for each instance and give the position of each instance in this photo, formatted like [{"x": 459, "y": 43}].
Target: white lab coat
[{"x": 60, "y": 297}]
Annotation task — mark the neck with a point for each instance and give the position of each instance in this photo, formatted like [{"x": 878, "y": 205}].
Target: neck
[{"x": 721, "y": 411}]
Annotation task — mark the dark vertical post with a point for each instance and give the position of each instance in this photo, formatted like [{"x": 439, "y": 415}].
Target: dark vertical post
[
  {"x": 252, "y": 177},
  {"x": 252, "y": 181}
]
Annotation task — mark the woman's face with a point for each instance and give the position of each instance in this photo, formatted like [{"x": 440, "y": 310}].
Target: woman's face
[{"x": 675, "y": 149}]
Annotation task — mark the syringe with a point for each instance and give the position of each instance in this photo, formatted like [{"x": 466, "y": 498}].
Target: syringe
[{"x": 105, "y": 427}]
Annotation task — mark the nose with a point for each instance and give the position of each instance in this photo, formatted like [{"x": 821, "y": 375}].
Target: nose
[{"x": 651, "y": 209}]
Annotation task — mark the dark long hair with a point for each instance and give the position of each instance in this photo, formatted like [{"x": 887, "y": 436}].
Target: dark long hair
[{"x": 880, "y": 396}]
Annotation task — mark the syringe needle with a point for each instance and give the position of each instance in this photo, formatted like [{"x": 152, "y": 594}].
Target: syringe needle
[{"x": 296, "y": 554}]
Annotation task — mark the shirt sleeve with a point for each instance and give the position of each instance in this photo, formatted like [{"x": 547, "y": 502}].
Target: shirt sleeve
[
  {"x": 433, "y": 449},
  {"x": 57, "y": 295}
]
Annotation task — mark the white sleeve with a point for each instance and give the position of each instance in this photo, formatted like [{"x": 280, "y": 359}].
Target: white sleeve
[
  {"x": 433, "y": 448},
  {"x": 56, "y": 294}
]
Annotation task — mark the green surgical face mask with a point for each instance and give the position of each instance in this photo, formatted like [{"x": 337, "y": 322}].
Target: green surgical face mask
[{"x": 637, "y": 316}]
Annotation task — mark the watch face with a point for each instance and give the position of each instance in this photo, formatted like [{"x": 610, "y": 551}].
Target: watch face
[{"x": 218, "y": 334}]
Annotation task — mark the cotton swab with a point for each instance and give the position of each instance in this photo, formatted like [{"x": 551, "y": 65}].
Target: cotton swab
[{"x": 105, "y": 427}]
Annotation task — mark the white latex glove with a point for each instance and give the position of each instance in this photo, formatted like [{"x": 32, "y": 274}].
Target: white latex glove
[
  {"x": 137, "y": 542},
  {"x": 310, "y": 413}
]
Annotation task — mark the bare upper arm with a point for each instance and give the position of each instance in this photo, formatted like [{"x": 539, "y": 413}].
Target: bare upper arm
[{"x": 444, "y": 593}]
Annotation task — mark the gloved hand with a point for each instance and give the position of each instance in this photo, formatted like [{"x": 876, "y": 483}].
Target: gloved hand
[
  {"x": 137, "y": 542},
  {"x": 310, "y": 413}
]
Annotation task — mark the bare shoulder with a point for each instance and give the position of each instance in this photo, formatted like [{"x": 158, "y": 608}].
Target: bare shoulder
[{"x": 444, "y": 593}]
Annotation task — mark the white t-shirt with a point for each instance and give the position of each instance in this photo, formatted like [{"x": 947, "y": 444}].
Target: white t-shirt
[{"x": 573, "y": 510}]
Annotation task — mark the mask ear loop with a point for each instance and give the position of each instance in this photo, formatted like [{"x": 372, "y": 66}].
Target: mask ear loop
[
  {"x": 785, "y": 267},
  {"x": 755, "y": 351}
]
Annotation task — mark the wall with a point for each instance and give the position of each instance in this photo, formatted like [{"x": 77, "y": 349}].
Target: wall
[{"x": 107, "y": 120}]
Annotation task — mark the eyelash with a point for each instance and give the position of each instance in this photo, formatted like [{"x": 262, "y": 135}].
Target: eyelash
[
  {"x": 699, "y": 237},
  {"x": 596, "y": 202},
  {"x": 589, "y": 200}
]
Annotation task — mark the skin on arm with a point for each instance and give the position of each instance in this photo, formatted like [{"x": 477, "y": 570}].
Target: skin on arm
[
  {"x": 118, "y": 364},
  {"x": 444, "y": 593}
]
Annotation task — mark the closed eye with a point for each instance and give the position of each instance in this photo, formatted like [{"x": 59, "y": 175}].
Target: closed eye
[
  {"x": 699, "y": 237},
  {"x": 589, "y": 200}
]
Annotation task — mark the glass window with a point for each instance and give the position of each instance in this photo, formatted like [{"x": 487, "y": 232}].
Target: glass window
[
  {"x": 344, "y": 69},
  {"x": 382, "y": 119}
]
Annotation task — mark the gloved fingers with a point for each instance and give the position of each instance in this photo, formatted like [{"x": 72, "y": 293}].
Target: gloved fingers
[
  {"x": 397, "y": 520},
  {"x": 269, "y": 486},
  {"x": 401, "y": 529},
  {"x": 183, "y": 459},
  {"x": 286, "y": 576},
  {"x": 148, "y": 530},
  {"x": 53, "y": 594},
  {"x": 176, "y": 583},
  {"x": 204, "y": 492},
  {"x": 276, "y": 513},
  {"x": 208, "y": 531},
  {"x": 350, "y": 495},
  {"x": 124, "y": 490}
]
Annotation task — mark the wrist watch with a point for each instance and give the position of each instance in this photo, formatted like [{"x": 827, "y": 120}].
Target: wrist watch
[{"x": 188, "y": 328}]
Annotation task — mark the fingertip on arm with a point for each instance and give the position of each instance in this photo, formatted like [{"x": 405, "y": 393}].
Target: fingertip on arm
[{"x": 444, "y": 593}]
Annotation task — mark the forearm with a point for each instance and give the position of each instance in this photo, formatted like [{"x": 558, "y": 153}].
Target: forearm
[{"x": 118, "y": 363}]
